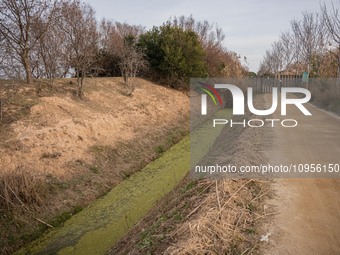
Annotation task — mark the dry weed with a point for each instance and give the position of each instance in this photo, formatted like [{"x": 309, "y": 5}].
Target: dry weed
[
  {"x": 21, "y": 188},
  {"x": 225, "y": 222}
]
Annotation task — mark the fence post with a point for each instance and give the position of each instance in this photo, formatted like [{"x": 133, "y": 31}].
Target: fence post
[{"x": 256, "y": 88}]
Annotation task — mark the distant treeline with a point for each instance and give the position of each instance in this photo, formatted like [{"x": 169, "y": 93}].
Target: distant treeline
[
  {"x": 62, "y": 38},
  {"x": 311, "y": 45}
]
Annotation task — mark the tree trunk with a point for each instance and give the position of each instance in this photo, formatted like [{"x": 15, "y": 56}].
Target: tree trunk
[
  {"x": 80, "y": 80},
  {"x": 81, "y": 88},
  {"x": 27, "y": 66}
]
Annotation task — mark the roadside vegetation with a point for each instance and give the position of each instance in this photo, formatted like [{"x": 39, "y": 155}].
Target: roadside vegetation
[
  {"x": 61, "y": 147},
  {"x": 47, "y": 176},
  {"x": 63, "y": 39},
  {"x": 210, "y": 216},
  {"x": 191, "y": 220},
  {"x": 50, "y": 52},
  {"x": 43, "y": 44},
  {"x": 312, "y": 45}
]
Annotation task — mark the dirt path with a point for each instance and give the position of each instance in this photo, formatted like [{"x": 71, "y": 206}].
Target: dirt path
[{"x": 309, "y": 209}]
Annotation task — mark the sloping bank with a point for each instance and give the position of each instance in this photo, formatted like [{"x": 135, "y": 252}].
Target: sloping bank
[{"x": 99, "y": 226}]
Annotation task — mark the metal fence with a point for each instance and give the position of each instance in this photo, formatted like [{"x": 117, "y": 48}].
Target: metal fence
[
  {"x": 325, "y": 92},
  {"x": 266, "y": 85}
]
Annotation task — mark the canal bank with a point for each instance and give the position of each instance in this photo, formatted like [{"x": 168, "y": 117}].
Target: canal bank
[{"x": 99, "y": 226}]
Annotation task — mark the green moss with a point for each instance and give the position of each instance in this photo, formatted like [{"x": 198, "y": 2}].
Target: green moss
[{"x": 104, "y": 222}]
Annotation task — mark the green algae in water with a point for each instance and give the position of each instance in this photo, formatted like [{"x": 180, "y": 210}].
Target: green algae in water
[
  {"x": 95, "y": 229},
  {"x": 99, "y": 226}
]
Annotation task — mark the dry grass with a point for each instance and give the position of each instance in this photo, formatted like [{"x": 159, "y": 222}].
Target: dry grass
[
  {"x": 22, "y": 195},
  {"x": 21, "y": 188},
  {"x": 326, "y": 95},
  {"x": 79, "y": 148},
  {"x": 202, "y": 217},
  {"x": 226, "y": 222},
  {"x": 14, "y": 103}
]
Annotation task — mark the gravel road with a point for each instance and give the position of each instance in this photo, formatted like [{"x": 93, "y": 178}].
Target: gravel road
[{"x": 308, "y": 219}]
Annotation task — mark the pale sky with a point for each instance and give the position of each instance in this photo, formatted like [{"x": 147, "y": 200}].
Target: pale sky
[{"x": 251, "y": 26}]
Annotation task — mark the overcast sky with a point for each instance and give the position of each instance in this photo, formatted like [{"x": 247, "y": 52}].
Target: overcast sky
[{"x": 250, "y": 25}]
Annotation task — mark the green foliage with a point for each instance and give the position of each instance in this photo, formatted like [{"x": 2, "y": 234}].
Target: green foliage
[
  {"x": 174, "y": 55},
  {"x": 252, "y": 74},
  {"x": 159, "y": 149}
]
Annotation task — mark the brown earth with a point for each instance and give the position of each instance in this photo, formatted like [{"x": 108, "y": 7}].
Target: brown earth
[
  {"x": 308, "y": 219},
  {"x": 59, "y": 153},
  {"x": 60, "y": 130}
]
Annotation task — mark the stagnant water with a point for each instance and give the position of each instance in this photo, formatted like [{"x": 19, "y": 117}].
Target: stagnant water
[{"x": 99, "y": 226}]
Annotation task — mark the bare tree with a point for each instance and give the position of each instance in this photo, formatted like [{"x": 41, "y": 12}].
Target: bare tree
[
  {"x": 210, "y": 35},
  {"x": 80, "y": 27},
  {"x": 50, "y": 57},
  {"x": 272, "y": 62},
  {"x": 107, "y": 30},
  {"x": 18, "y": 20},
  {"x": 288, "y": 49},
  {"x": 131, "y": 62},
  {"x": 10, "y": 64},
  {"x": 331, "y": 17},
  {"x": 120, "y": 39},
  {"x": 309, "y": 35},
  {"x": 131, "y": 59}
]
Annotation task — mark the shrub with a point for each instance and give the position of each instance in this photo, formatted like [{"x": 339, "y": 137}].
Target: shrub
[{"x": 174, "y": 55}]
